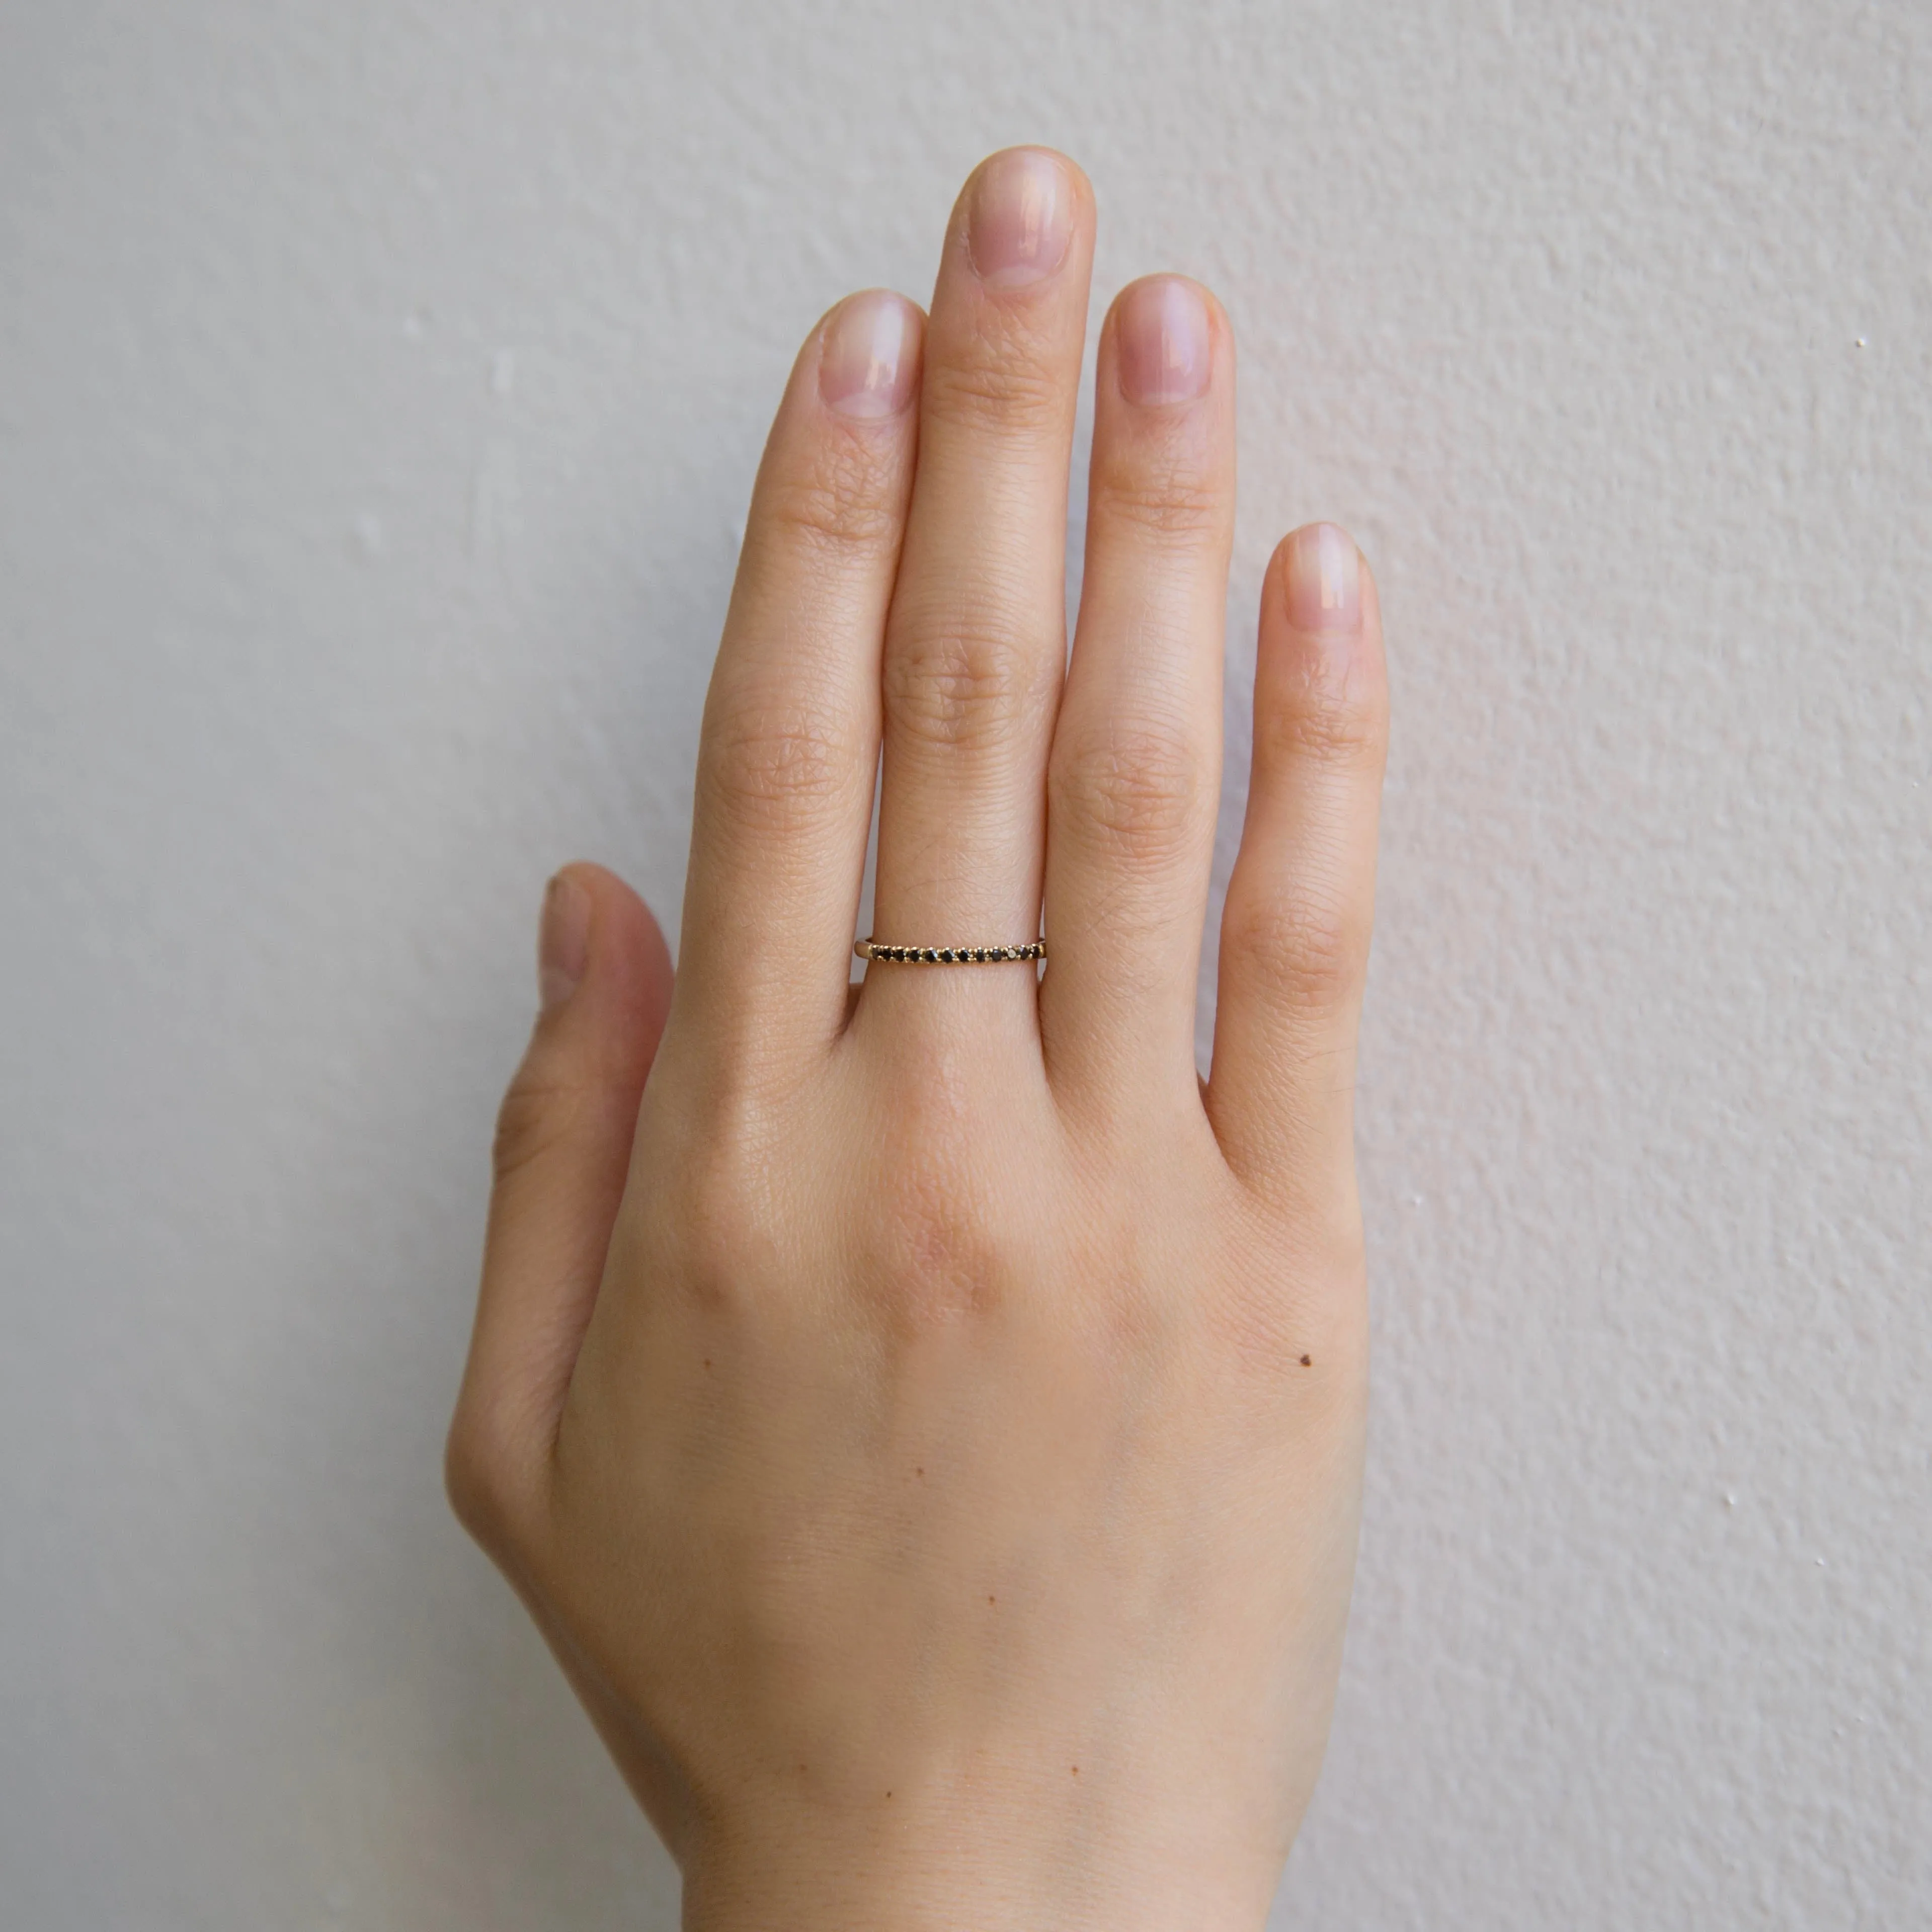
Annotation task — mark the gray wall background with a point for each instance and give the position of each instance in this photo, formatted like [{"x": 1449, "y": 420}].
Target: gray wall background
[{"x": 380, "y": 384}]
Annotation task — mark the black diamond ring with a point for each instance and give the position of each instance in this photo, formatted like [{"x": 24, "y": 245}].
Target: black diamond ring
[{"x": 947, "y": 955}]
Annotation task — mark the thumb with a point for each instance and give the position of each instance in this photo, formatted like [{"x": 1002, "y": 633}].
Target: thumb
[{"x": 563, "y": 1148}]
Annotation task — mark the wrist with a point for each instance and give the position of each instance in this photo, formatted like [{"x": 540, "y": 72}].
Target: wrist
[{"x": 1001, "y": 1868}]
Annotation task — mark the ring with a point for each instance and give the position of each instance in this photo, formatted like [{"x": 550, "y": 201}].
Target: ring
[{"x": 947, "y": 955}]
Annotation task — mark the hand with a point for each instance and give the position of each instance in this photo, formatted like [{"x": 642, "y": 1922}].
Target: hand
[{"x": 927, "y": 1424}]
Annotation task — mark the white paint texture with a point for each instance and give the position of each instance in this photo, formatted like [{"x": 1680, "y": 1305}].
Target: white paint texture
[{"x": 382, "y": 383}]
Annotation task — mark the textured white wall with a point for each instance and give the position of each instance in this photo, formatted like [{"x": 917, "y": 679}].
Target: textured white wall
[{"x": 380, "y": 383}]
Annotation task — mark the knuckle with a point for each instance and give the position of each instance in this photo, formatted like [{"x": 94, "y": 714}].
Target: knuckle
[
  {"x": 936, "y": 1257},
  {"x": 1303, "y": 948},
  {"x": 845, "y": 500},
  {"x": 1141, "y": 789},
  {"x": 1336, "y": 725},
  {"x": 935, "y": 1248},
  {"x": 476, "y": 1477},
  {"x": 719, "y": 1230},
  {"x": 776, "y": 765},
  {"x": 725, "y": 1222},
  {"x": 994, "y": 384},
  {"x": 537, "y": 1111},
  {"x": 1163, "y": 498},
  {"x": 960, "y": 687}
]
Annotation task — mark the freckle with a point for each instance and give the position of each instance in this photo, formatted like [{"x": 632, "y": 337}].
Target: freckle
[
  {"x": 920, "y": 1473},
  {"x": 1076, "y": 1771},
  {"x": 1307, "y": 1361},
  {"x": 992, "y": 1599}
]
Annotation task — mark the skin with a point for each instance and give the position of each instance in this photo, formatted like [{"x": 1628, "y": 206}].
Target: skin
[{"x": 924, "y": 1418}]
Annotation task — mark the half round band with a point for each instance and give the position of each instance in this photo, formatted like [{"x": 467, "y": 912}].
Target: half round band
[{"x": 947, "y": 955}]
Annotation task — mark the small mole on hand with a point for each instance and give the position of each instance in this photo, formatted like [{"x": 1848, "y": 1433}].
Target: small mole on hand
[
  {"x": 1076, "y": 1771},
  {"x": 920, "y": 1474},
  {"x": 1307, "y": 1361},
  {"x": 992, "y": 1599},
  {"x": 707, "y": 1361}
]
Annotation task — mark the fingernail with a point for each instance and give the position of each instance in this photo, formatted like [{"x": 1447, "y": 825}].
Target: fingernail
[
  {"x": 866, "y": 364},
  {"x": 563, "y": 941},
  {"x": 1021, "y": 219},
  {"x": 1166, "y": 354},
  {"x": 1324, "y": 580}
]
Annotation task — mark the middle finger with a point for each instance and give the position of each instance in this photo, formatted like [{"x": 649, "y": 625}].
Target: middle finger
[{"x": 975, "y": 646}]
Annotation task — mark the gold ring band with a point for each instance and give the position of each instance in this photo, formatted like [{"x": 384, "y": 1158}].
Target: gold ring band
[{"x": 947, "y": 955}]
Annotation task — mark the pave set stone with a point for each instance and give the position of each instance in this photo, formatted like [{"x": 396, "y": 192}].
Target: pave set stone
[{"x": 948, "y": 955}]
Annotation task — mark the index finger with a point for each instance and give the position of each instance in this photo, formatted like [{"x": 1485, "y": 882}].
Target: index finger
[{"x": 791, "y": 736}]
